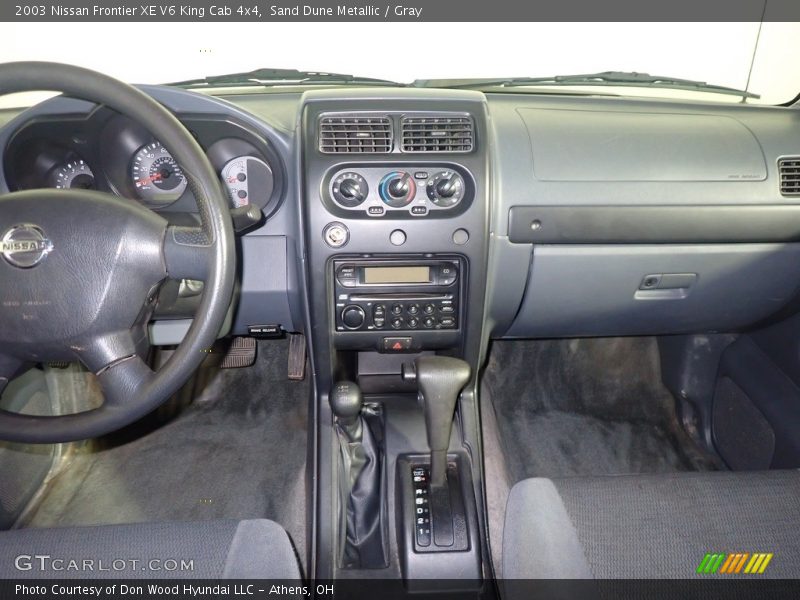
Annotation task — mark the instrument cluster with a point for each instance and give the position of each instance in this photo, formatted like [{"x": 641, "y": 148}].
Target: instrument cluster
[{"x": 112, "y": 153}]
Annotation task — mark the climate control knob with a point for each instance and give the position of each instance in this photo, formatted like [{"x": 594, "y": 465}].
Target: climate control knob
[
  {"x": 349, "y": 189},
  {"x": 445, "y": 189},
  {"x": 397, "y": 189},
  {"x": 353, "y": 316}
]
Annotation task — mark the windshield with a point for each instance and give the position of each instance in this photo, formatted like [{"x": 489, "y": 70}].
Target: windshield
[{"x": 742, "y": 56}]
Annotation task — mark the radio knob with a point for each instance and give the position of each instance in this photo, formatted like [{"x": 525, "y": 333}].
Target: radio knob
[{"x": 353, "y": 316}]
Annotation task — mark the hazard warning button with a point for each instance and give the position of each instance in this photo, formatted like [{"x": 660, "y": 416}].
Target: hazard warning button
[{"x": 397, "y": 344}]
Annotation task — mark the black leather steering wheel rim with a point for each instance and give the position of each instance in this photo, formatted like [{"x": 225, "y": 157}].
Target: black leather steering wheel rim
[{"x": 206, "y": 252}]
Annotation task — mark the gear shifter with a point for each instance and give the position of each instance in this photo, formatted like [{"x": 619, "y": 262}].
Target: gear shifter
[
  {"x": 359, "y": 428},
  {"x": 346, "y": 402},
  {"x": 440, "y": 380}
]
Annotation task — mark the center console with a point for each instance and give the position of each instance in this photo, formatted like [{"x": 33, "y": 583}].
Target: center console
[{"x": 395, "y": 213}]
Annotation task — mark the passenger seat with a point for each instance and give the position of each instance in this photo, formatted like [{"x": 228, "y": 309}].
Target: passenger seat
[{"x": 650, "y": 526}]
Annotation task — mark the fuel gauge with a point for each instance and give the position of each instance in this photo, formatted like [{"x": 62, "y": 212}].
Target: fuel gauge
[{"x": 245, "y": 177}]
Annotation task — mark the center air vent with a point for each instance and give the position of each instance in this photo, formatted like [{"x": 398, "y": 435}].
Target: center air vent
[
  {"x": 353, "y": 134},
  {"x": 440, "y": 133},
  {"x": 789, "y": 169}
]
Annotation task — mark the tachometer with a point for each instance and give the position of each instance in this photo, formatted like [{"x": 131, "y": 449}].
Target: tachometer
[
  {"x": 73, "y": 174},
  {"x": 156, "y": 175}
]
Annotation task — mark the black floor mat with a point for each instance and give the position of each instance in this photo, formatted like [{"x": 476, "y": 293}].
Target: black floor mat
[
  {"x": 237, "y": 451},
  {"x": 586, "y": 407}
]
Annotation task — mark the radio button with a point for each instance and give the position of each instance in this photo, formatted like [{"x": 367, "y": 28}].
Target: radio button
[
  {"x": 428, "y": 309},
  {"x": 413, "y": 322},
  {"x": 429, "y": 322},
  {"x": 447, "y": 322},
  {"x": 379, "y": 321},
  {"x": 397, "y": 309},
  {"x": 397, "y": 323},
  {"x": 413, "y": 309},
  {"x": 447, "y": 309},
  {"x": 448, "y": 273},
  {"x": 353, "y": 316}
]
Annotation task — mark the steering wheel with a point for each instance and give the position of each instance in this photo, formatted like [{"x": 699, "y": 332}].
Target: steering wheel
[{"x": 80, "y": 270}]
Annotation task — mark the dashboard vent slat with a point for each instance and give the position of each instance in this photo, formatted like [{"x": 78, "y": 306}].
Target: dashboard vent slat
[
  {"x": 789, "y": 169},
  {"x": 352, "y": 134},
  {"x": 439, "y": 133}
]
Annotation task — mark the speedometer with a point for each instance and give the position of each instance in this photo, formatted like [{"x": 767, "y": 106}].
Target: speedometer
[{"x": 156, "y": 176}]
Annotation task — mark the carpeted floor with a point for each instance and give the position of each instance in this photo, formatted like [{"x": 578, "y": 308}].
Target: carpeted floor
[
  {"x": 586, "y": 407},
  {"x": 577, "y": 407},
  {"x": 238, "y": 450}
]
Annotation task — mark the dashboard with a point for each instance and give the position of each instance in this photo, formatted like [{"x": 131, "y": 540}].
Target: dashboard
[{"x": 562, "y": 215}]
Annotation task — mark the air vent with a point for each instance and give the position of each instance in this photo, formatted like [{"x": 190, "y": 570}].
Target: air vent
[
  {"x": 351, "y": 134},
  {"x": 789, "y": 169},
  {"x": 437, "y": 134}
]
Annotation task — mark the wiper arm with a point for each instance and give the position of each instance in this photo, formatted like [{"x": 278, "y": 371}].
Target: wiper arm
[
  {"x": 606, "y": 78},
  {"x": 270, "y": 77}
]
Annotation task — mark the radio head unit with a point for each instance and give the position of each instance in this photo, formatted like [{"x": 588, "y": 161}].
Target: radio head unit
[{"x": 417, "y": 298}]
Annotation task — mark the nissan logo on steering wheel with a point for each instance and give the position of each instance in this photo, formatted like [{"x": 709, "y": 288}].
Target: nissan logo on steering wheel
[{"x": 25, "y": 246}]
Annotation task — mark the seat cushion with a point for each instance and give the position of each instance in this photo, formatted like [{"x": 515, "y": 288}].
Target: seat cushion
[
  {"x": 650, "y": 526},
  {"x": 202, "y": 549}
]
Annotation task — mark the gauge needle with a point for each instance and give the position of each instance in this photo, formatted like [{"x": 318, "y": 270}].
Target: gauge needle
[{"x": 151, "y": 178}]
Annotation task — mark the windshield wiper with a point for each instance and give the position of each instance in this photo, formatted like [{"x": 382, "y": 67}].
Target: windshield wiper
[
  {"x": 275, "y": 77},
  {"x": 606, "y": 78}
]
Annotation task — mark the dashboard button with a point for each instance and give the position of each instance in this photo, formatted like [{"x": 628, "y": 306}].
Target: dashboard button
[
  {"x": 413, "y": 322},
  {"x": 421, "y": 175},
  {"x": 419, "y": 211},
  {"x": 429, "y": 322},
  {"x": 447, "y": 274},
  {"x": 447, "y": 322},
  {"x": 447, "y": 309},
  {"x": 428, "y": 309},
  {"x": 413, "y": 309},
  {"x": 397, "y": 344},
  {"x": 397, "y": 323},
  {"x": 375, "y": 211},
  {"x": 397, "y": 309}
]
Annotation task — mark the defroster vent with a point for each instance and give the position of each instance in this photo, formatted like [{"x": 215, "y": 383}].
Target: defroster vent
[
  {"x": 355, "y": 134},
  {"x": 440, "y": 133},
  {"x": 789, "y": 169}
]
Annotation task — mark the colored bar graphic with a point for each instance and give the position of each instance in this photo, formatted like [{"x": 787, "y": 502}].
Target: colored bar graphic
[
  {"x": 701, "y": 568},
  {"x": 741, "y": 562},
  {"x": 733, "y": 563}
]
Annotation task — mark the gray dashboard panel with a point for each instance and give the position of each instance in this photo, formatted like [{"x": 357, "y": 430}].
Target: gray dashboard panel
[
  {"x": 604, "y": 145},
  {"x": 595, "y": 290},
  {"x": 589, "y": 290}
]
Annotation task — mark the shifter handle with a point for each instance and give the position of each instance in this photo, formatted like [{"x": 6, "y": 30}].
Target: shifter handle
[
  {"x": 440, "y": 380},
  {"x": 346, "y": 401}
]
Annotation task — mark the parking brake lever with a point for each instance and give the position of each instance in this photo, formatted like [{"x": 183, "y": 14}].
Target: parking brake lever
[{"x": 440, "y": 380}]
